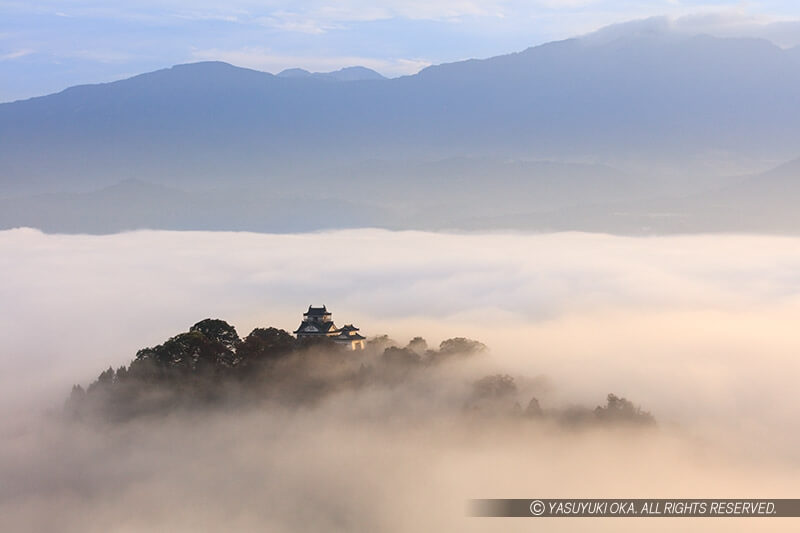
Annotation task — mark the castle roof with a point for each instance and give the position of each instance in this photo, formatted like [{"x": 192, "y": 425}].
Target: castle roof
[
  {"x": 316, "y": 328},
  {"x": 348, "y": 332},
  {"x": 353, "y": 337},
  {"x": 316, "y": 311}
]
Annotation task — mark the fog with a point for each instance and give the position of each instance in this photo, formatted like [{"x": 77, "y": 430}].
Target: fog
[{"x": 699, "y": 330}]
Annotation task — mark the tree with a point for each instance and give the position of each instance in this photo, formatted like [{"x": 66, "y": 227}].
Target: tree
[
  {"x": 104, "y": 380},
  {"x": 75, "y": 403},
  {"x": 461, "y": 345},
  {"x": 219, "y": 331},
  {"x": 496, "y": 394},
  {"x": 534, "y": 410},
  {"x": 418, "y": 345},
  {"x": 319, "y": 342},
  {"x": 145, "y": 368},
  {"x": 190, "y": 351},
  {"x": 265, "y": 344},
  {"x": 106, "y": 377},
  {"x": 379, "y": 343},
  {"x": 619, "y": 409},
  {"x": 497, "y": 386},
  {"x": 456, "y": 347},
  {"x": 400, "y": 357}
]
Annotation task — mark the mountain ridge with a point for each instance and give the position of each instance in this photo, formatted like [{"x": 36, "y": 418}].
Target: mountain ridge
[
  {"x": 354, "y": 73},
  {"x": 535, "y": 196},
  {"x": 649, "y": 105}
]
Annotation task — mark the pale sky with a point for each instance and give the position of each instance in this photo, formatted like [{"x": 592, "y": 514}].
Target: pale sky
[{"x": 48, "y": 45}]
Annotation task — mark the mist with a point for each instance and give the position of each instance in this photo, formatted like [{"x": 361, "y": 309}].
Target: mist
[{"x": 699, "y": 330}]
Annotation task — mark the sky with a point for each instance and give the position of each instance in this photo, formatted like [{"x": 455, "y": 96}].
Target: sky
[{"x": 48, "y": 45}]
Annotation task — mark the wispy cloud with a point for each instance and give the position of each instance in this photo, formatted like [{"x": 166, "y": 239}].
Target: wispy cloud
[
  {"x": 719, "y": 23},
  {"x": 16, "y": 54},
  {"x": 269, "y": 61},
  {"x": 294, "y": 23},
  {"x": 347, "y": 10},
  {"x": 783, "y": 31}
]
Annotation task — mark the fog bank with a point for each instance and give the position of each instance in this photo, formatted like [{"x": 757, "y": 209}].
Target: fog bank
[{"x": 700, "y": 330}]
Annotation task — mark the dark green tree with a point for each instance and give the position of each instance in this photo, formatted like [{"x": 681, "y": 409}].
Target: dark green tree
[
  {"x": 191, "y": 351},
  {"x": 217, "y": 330},
  {"x": 263, "y": 344}
]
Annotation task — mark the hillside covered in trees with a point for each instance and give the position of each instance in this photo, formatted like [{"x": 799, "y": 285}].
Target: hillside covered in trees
[{"x": 211, "y": 366}]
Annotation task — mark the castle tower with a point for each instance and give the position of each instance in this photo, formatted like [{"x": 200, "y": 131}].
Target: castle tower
[{"x": 318, "y": 322}]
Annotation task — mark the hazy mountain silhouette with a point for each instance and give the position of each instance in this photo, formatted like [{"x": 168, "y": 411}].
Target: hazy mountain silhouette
[
  {"x": 436, "y": 196},
  {"x": 644, "y": 96},
  {"x": 135, "y": 204},
  {"x": 344, "y": 74},
  {"x": 634, "y": 97},
  {"x": 372, "y": 193},
  {"x": 763, "y": 203}
]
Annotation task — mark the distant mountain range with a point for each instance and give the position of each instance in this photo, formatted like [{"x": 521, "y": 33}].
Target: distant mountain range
[
  {"x": 763, "y": 203},
  {"x": 344, "y": 74},
  {"x": 373, "y": 193},
  {"x": 610, "y": 119},
  {"x": 532, "y": 197}
]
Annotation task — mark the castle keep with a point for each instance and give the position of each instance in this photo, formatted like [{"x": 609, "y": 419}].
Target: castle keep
[{"x": 317, "y": 322}]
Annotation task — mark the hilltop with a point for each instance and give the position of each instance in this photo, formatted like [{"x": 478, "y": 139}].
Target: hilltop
[{"x": 211, "y": 367}]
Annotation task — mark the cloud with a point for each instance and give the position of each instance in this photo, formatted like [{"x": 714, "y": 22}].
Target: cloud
[
  {"x": 346, "y": 11},
  {"x": 700, "y": 330},
  {"x": 737, "y": 23},
  {"x": 297, "y": 24},
  {"x": 545, "y": 303},
  {"x": 16, "y": 54},
  {"x": 268, "y": 61},
  {"x": 725, "y": 23}
]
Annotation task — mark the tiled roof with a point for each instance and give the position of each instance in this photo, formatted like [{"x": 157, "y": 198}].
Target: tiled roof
[
  {"x": 319, "y": 328},
  {"x": 316, "y": 311}
]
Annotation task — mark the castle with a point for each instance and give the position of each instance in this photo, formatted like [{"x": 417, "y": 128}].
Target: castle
[{"x": 317, "y": 322}]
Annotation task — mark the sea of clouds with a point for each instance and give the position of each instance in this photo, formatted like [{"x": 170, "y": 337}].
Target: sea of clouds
[{"x": 699, "y": 330}]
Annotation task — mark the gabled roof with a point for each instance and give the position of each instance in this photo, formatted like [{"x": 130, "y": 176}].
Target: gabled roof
[
  {"x": 316, "y": 328},
  {"x": 316, "y": 311},
  {"x": 348, "y": 333}
]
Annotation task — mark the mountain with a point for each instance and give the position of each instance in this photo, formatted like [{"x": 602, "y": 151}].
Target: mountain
[
  {"x": 442, "y": 195},
  {"x": 297, "y": 73},
  {"x": 762, "y": 203},
  {"x": 567, "y": 135},
  {"x": 135, "y": 204},
  {"x": 371, "y": 194},
  {"x": 643, "y": 98},
  {"x": 344, "y": 74}
]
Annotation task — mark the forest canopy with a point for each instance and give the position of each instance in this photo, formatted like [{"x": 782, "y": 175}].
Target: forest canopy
[{"x": 210, "y": 365}]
